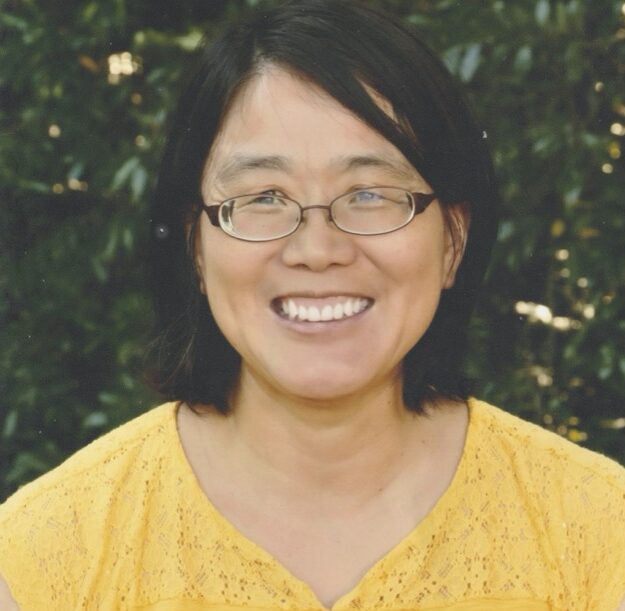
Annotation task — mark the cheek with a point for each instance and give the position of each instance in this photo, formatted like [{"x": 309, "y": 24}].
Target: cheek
[
  {"x": 416, "y": 292},
  {"x": 232, "y": 273},
  {"x": 419, "y": 260},
  {"x": 225, "y": 278}
]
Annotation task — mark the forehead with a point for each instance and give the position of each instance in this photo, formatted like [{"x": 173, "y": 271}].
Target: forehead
[{"x": 288, "y": 121}]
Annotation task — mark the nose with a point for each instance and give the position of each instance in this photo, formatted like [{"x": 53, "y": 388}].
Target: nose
[{"x": 317, "y": 243}]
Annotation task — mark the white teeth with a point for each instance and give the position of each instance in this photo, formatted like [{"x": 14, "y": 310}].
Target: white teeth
[
  {"x": 313, "y": 314},
  {"x": 350, "y": 307},
  {"x": 327, "y": 313}
]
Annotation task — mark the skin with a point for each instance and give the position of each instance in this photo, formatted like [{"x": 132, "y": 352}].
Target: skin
[
  {"x": 308, "y": 403},
  {"x": 318, "y": 427},
  {"x": 6, "y": 600},
  {"x": 404, "y": 271}
]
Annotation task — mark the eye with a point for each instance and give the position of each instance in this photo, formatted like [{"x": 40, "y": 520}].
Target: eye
[
  {"x": 264, "y": 199},
  {"x": 260, "y": 202},
  {"x": 365, "y": 196},
  {"x": 368, "y": 195},
  {"x": 268, "y": 198}
]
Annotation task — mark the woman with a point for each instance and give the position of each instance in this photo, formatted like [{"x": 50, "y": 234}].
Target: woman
[{"x": 323, "y": 218}]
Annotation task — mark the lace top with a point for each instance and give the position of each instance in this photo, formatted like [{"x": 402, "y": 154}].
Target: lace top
[{"x": 529, "y": 522}]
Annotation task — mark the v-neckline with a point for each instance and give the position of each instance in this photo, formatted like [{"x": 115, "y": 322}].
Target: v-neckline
[{"x": 416, "y": 535}]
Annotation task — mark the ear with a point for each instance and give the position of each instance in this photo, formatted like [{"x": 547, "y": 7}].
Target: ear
[
  {"x": 199, "y": 272},
  {"x": 193, "y": 233},
  {"x": 457, "y": 220}
]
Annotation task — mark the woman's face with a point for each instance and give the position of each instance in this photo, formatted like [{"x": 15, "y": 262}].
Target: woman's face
[{"x": 284, "y": 134}]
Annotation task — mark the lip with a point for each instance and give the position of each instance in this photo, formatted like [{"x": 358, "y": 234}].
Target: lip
[{"x": 320, "y": 295}]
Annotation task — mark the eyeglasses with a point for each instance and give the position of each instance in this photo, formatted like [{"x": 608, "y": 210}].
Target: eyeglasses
[{"x": 261, "y": 217}]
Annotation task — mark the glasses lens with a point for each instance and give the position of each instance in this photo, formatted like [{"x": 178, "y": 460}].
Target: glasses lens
[
  {"x": 372, "y": 211},
  {"x": 262, "y": 216}
]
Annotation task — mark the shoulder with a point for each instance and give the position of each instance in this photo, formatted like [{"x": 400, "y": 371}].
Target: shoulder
[
  {"x": 557, "y": 480},
  {"x": 541, "y": 453},
  {"x": 58, "y": 525},
  {"x": 113, "y": 451},
  {"x": 574, "y": 496}
]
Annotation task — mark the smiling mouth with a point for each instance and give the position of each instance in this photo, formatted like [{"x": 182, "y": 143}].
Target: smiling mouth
[{"x": 320, "y": 310}]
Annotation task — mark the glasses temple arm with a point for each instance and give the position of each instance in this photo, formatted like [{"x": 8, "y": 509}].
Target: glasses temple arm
[
  {"x": 212, "y": 212},
  {"x": 422, "y": 200}
]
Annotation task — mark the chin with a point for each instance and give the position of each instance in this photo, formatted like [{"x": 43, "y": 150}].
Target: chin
[
  {"x": 324, "y": 388},
  {"x": 317, "y": 378}
]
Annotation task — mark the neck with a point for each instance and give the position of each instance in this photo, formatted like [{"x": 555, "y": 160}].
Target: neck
[{"x": 352, "y": 448}]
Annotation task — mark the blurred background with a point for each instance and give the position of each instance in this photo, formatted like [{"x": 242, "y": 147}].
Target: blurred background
[{"x": 85, "y": 88}]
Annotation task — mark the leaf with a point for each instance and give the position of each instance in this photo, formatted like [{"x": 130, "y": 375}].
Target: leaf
[
  {"x": 545, "y": 145},
  {"x": 542, "y": 12},
  {"x": 523, "y": 59},
  {"x": 190, "y": 41},
  {"x": 604, "y": 372},
  {"x": 10, "y": 424},
  {"x": 506, "y": 230},
  {"x": 127, "y": 238},
  {"x": 75, "y": 172},
  {"x": 571, "y": 197},
  {"x": 34, "y": 186},
  {"x": 452, "y": 57},
  {"x": 470, "y": 62},
  {"x": 138, "y": 182},
  {"x": 26, "y": 463},
  {"x": 95, "y": 419},
  {"x": 417, "y": 19},
  {"x": 123, "y": 174},
  {"x": 101, "y": 273},
  {"x": 111, "y": 245},
  {"x": 12, "y": 21},
  {"x": 107, "y": 398},
  {"x": 89, "y": 11}
]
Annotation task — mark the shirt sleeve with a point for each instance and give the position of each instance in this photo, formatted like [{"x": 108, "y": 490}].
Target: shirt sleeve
[
  {"x": 605, "y": 508},
  {"x": 38, "y": 551},
  {"x": 18, "y": 562}
]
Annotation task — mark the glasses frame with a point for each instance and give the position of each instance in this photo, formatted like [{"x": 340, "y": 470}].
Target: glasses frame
[{"x": 419, "y": 201}]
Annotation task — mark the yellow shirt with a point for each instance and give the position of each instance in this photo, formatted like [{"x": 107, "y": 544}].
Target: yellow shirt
[{"x": 529, "y": 522}]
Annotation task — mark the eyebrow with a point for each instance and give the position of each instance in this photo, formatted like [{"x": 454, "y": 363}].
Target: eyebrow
[
  {"x": 396, "y": 167},
  {"x": 240, "y": 164}
]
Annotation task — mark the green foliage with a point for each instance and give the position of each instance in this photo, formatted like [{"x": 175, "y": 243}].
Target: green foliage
[{"x": 85, "y": 87}]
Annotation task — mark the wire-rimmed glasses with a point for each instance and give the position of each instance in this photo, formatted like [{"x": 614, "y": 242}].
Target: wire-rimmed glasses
[{"x": 261, "y": 217}]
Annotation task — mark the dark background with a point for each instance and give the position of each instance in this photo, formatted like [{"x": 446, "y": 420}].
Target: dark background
[{"x": 85, "y": 87}]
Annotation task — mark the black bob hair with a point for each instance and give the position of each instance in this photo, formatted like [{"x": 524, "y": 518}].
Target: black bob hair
[{"x": 343, "y": 47}]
